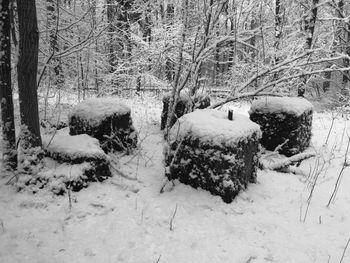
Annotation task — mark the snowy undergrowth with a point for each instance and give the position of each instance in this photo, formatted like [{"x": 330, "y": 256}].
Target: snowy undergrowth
[{"x": 126, "y": 219}]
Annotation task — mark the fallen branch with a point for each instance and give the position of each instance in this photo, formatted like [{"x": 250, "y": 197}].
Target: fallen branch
[
  {"x": 284, "y": 164},
  {"x": 171, "y": 224},
  {"x": 122, "y": 174}
]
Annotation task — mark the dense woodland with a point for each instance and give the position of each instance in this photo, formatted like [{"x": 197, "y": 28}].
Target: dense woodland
[{"x": 242, "y": 47}]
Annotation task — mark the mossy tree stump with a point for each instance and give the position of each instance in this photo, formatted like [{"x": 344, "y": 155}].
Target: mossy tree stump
[
  {"x": 71, "y": 162},
  {"x": 285, "y": 122},
  {"x": 209, "y": 151},
  {"x": 107, "y": 120},
  {"x": 185, "y": 104}
]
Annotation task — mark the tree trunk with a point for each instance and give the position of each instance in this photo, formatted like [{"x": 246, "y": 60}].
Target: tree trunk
[
  {"x": 176, "y": 89},
  {"x": 122, "y": 29},
  {"x": 216, "y": 71},
  {"x": 52, "y": 23},
  {"x": 111, "y": 30},
  {"x": 146, "y": 29},
  {"x": 169, "y": 64},
  {"x": 94, "y": 19},
  {"x": 7, "y": 116},
  {"x": 346, "y": 76},
  {"x": 309, "y": 28},
  {"x": 310, "y": 24},
  {"x": 278, "y": 27},
  {"x": 339, "y": 37},
  {"x": 27, "y": 72}
]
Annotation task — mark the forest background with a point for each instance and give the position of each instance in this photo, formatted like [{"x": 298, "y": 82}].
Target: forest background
[{"x": 238, "y": 48}]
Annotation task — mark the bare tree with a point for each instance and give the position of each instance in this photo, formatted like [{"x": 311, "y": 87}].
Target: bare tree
[
  {"x": 186, "y": 74},
  {"x": 6, "y": 102},
  {"x": 309, "y": 28},
  {"x": 278, "y": 26},
  {"x": 27, "y": 72}
]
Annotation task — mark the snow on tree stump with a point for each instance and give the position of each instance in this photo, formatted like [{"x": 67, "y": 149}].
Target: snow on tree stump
[
  {"x": 80, "y": 160},
  {"x": 184, "y": 105},
  {"x": 107, "y": 120},
  {"x": 209, "y": 151},
  {"x": 286, "y": 123}
]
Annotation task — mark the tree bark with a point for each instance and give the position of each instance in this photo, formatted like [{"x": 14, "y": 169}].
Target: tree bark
[
  {"x": 339, "y": 38},
  {"x": 7, "y": 116},
  {"x": 309, "y": 28},
  {"x": 111, "y": 12},
  {"x": 52, "y": 8},
  {"x": 310, "y": 24},
  {"x": 278, "y": 27},
  {"x": 27, "y": 72},
  {"x": 168, "y": 17},
  {"x": 346, "y": 76},
  {"x": 146, "y": 29}
]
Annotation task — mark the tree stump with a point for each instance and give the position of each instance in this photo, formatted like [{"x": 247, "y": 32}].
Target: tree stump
[
  {"x": 286, "y": 123},
  {"x": 107, "y": 120},
  {"x": 184, "y": 105},
  {"x": 80, "y": 161},
  {"x": 209, "y": 151}
]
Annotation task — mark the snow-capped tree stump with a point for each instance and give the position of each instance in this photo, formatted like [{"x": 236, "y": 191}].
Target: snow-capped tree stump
[
  {"x": 184, "y": 105},
  {"x": 209, "y": 151},
  {"x": 107, "y": 120},
  {"x": 73, "y": 162},
  {"x": 285, "y": 122}
]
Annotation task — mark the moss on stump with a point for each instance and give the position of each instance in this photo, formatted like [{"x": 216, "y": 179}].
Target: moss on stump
[
  {"x": 207, "y": 150},
  {"x": 285, "y": 122},
  {"x": 107, "y": 120},
  {"x": 72, "y": 162},
  {"x": 185, "y": 104}
]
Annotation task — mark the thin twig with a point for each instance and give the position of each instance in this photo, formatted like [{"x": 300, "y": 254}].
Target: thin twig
[
  {"x": 172, "y": 219},
  {"x": 330, "y": 129},
  {"x": 2, "y": 225},
  {"x": 122, "y": 174},
  {"x": 345, "y": 165},
  {"x": 346, "y": 247}
]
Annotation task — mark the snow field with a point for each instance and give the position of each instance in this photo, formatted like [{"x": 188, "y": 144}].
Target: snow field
[{"x": 124, "y": 220}]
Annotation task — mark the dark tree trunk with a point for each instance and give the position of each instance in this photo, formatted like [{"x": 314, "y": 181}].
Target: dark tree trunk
[
  {"x": 93, "y": 25},
  {"x": 170, "y": 12},
  {"x": 111, "y": 11},
  {"x": 309, "y": 28},
  {"x": 169, "y": 63},
  {"x": 338, "y": 44},
  {"x": 310, "y": 24},
  {"x": 7, "y": 116},
  {"x": 27, "y": 72},
  {"x": 231, "y": 44},
  {"x": 146, "y": 29},
  {"x": 123, "y": 17},
  {"x": 216, "y": 71},
  {"x": 278, "y": 33},
  {"x": 53, "y": 20},
  {"x": 346, "y": 76},
  {"x": 326, "y": 84},
  {"x": 278, "y": 26}
]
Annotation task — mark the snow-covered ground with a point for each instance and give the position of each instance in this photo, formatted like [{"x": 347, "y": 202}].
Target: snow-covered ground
[{"x": 124, "y": 220}]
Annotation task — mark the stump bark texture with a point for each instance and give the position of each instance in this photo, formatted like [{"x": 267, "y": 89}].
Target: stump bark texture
[
  {"x": 185, "y": 104},
  {"x": 72, "y": 162},
  {"x": 107, "y": 120},
  {"x": 286, "y": 123},
  {"x": 207, "y": 150}
]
